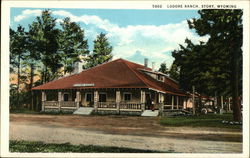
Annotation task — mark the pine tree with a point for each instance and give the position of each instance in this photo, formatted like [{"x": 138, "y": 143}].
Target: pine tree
[
  {"x": 226, "y": 35},
  {"x": 101, "y": 53},
  {"x": 48, "y": 45},
  {"x": 214, "y": 66},
  {"x": 72, "y": 44},
  {"x": 163, "y": 68},
  {"x": 17, "y": 53}
]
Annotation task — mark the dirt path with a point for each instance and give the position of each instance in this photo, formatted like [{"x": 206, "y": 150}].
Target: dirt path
[{"x": 133, "y": 132}]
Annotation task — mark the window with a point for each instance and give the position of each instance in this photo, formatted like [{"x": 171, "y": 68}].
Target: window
[
  {"x": 88, "y": 97},
  {"x": 160, "y": 78},
  {"x": 102, "y": 97},
  {"x": 65, "y": 97},
  {"x": 127, "y": 96}
]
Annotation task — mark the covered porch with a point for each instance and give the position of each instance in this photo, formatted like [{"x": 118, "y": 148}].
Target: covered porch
[{"x": 110, "y": 99}]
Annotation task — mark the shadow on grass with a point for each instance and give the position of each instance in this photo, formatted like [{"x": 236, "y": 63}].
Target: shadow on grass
[{"x": 28, "y": 146}]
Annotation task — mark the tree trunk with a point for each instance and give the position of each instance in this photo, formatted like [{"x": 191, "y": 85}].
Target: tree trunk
[
  {"x": 215, "y": 100},
  {"x": 31, "y": 85},
  {"x": 235, "y": 86},
  {"x": 193, "y": 99},
  {"x": 18, "y": 81},
  {"x": 222, "y": 102}
]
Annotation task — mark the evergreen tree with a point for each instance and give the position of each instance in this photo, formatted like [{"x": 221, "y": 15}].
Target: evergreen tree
[
  {"x": 48, "y": 45},
  {"x": 17, "y": 53},
  {"x": 34, "y": 57},
  {"x": 225, "y": 30},
  {"x": 101, "y": 53},
  {"x": 72, "y": 44},
  {"x": 174, "y": 72},
  {"x": 163, "y": 68},
  {"x": 214, "y": 66}
]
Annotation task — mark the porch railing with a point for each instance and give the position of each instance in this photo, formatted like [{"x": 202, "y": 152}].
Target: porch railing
[
  {"x": 68, "y": 104},
  {"x": 58, "y": 105},
  {"x": 51, "y": 104},
  {"x": 110, "y": 105},
  {"x": 174, "y": 106},
  {"x": 130, "y": 106}
]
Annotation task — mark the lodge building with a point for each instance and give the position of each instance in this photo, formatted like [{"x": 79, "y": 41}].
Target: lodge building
[{"x": 117, "y": 86}]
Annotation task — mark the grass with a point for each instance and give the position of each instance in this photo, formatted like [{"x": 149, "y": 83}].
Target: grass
[
  {"x": 24, "y": 110},
  {"x": 209, "y": 120},
  {"x": 28, "y": 111},
  {"x": 28, "y": 146}
]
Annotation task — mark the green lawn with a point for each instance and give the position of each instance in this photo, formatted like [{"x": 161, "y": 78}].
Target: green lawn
[
  {"x": 28, "y": 111},
  {"x": 209, "y": 120},
  {"x": 24, "y": 110},
  {"x": 27, "y": 146}
]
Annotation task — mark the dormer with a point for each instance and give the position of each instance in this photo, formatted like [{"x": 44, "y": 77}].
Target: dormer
[
  {"x": 160, "y": 77},
  {"x": 154, "y": 74}
]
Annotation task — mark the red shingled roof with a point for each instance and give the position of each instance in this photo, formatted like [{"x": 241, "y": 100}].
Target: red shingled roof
[{"x": 119, "y": 73}]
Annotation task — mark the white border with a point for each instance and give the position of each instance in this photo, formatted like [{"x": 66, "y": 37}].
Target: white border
[{"x": 5, "y": 21}]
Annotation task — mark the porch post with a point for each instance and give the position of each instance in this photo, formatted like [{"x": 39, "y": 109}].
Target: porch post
[
  {"x": 161, "y": 100},
  {"x": 95, "y": 100},
  {"x": 159, "y": 97},
  {"x": 184, "y": 103},
  {"x": 43, "y": 100},
  {"x": 177, "y": 102},
  {"x": 143, "y": 99},
  {"x": 118, "y": 100},
  {"x": 59, "y": 100},
  {"x": 77, "y": 99},
  {"x": 172, "y": 102}
]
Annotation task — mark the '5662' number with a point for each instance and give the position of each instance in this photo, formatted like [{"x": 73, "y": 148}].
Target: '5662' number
[{"x": 157, "y": 6}]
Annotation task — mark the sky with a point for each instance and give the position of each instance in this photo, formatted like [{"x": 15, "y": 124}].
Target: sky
[{"x": 133, "y": 34}]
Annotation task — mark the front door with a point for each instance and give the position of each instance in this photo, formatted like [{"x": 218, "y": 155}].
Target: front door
[
  {"x": 89, "y": 99},
  {"x": 148, "y": 101}
]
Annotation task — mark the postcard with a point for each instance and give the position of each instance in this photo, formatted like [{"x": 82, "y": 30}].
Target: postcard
[{"x": 125, "y": 79}]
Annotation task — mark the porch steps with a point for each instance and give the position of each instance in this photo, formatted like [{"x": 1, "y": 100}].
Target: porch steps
[
  {"x": 150, "y": 113},
  {"x": 84, "y": 111}
]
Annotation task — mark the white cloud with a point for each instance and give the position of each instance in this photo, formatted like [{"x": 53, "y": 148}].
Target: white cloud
[
  {"x": 153, "y": 42},
  {"x": 27, "y": 13}
]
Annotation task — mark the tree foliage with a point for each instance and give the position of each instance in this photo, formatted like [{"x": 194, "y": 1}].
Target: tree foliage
[
  {"x": 72, "y": 44},
  {"x": 214, "y": 66},
  {"x": 163, "y": 68},
  {"x": 49, "y": 50},
  {"x": 101, "y": 53}
]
